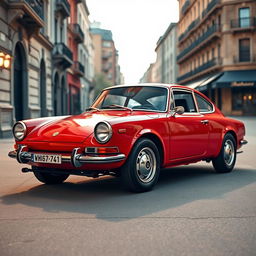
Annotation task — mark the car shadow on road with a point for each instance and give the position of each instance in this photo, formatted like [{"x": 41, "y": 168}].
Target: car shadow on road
[{"x": 104, "y": 199}]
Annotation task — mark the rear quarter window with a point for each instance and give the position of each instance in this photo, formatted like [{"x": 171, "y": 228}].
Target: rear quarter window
[{"x": 204, "y": 106}]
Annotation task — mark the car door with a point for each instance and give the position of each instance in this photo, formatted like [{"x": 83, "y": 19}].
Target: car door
[{"x": 189, "y": 132}]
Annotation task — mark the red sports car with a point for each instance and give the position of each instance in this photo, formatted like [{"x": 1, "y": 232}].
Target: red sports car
[{"x": 131, "y": 132}]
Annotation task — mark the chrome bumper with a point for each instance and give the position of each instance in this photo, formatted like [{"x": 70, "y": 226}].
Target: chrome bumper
[{"x": 75, "y": 159}]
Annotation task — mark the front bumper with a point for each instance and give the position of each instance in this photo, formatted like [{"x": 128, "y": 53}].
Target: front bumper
[{"x": 75, "y": 159}]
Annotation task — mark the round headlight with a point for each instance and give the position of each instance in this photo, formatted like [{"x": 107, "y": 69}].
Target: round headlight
[
  {"x": 19, "y": 131},
  {"x": 103, "y": 132}
]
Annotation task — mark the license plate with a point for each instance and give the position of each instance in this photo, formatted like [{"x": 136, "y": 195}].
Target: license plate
[{"x": 48, "y": 159}]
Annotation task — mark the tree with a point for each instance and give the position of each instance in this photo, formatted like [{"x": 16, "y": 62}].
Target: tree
[{"x": 100, "y": 83}]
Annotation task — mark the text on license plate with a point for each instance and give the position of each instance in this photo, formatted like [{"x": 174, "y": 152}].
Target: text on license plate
[{"x": 49, "y": 159}]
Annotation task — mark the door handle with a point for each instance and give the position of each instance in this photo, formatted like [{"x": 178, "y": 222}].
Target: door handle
[{"x": 205, "y": 121}]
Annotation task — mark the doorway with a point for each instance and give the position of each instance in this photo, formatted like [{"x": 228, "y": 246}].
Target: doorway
[{"x": 20, "y": 83}]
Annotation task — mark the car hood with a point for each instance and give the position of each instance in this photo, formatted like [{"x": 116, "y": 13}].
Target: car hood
[{"x": 73, "y": 129}]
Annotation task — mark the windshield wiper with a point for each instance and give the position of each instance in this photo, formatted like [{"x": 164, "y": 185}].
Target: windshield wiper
[
  {"x": 92, "y": 108},
  {"x": 117, "y": 106}
]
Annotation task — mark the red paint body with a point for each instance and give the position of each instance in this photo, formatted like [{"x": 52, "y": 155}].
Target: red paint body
[{"x": 181, "y": 139}]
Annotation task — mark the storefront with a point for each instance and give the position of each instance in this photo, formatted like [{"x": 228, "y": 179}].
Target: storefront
[{"x": 235, "y": 92}]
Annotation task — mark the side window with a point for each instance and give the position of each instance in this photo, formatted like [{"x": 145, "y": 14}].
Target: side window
[
  {"x": 185, "y": 99},
  {"x": 203, "y": 105}
]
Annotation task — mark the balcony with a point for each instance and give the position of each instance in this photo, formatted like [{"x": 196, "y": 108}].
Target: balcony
[
  {"x": 185, "y": 6},
  {"x": 190, "y": 27},
  {"x": 243, "y": 24},
  {"x": 106, "y": 55},
  {"x": 77, "y": 32},
  {"x": 63, "y": 7},
  {"x": 210, "y": 7},
  {"x": 107, "y": 67},
  {"x": 212, "y": 63},
  {"x": 29, "y": 13},
  {"x": 200, "y": 42},
  {"x": 78, "y": 68},
  {"x": 62, "y": 55},
  {"x": 246, "y": 60}
]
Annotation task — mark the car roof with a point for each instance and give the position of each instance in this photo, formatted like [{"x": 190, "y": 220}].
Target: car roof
[{"x": 151, "y": 84}]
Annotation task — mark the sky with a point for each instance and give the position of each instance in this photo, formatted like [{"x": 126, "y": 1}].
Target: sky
[{"x": 136, "y": 26}]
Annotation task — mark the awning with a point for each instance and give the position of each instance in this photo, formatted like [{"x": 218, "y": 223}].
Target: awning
[
  {"x": 196, "y": 83},
  {"x": 239, "y": 78},
  {"x": 203, "y": 86}
]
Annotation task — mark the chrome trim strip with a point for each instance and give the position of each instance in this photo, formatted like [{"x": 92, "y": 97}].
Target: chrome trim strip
[
  {"x": 101, "y": 159},
  {"x": 243, "y": 142},
  {"x": 75, "y": 159}
]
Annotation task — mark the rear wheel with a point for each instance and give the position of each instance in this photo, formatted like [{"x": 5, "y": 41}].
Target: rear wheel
[
  {"x": 141, "y": 171},
  {"x": 226, "y": 159},
  {"x": 50, "y": 178}
]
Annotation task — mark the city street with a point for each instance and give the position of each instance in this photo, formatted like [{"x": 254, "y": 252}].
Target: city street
[{"x": 191, "y": 211}]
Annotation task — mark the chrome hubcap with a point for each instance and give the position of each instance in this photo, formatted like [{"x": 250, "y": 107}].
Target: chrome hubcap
[
  {"x": 146, "y": 165},
  {"x": 229, "y": 152}
]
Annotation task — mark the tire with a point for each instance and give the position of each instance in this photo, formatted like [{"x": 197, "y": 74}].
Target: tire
[
  {"x": 226, "y": 159},
  {"x": 49, "y": 178},
  {"x": 141, "y": 170}
]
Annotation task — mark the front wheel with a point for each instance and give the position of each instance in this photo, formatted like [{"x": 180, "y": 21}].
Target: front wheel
[
  {"x": 141, "y": 171},
  {"x": 226, "y": 159},
  {"x": 49, "y": 178}
]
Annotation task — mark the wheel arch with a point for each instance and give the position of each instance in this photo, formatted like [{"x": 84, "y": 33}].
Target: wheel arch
[
  {"x": 158, "y": 142},
  {"x": 233, "y": 133}
]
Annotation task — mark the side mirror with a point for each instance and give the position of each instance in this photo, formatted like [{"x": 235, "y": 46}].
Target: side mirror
[{"x": 178, "y": 110}]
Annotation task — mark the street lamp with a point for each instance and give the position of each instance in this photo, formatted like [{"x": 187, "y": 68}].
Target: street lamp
[
  {"x": 5, "y": 60},
  {"x": 1, "y": 59}
]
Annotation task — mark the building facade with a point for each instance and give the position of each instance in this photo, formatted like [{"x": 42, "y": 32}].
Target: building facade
[
  {"x": 77, "y": 70},
  {"x": 217, "y": 49},
  {"x": 106, "y": 55},
  {"x": 62, "y": 56},
  {"x": 25, "y": 88},
  {"x": 164, "y": 69},
  {"x": 86, "y": 57},
  {"x": 166, "y": 51}
]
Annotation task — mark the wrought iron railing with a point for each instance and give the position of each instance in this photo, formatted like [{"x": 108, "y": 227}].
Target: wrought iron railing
[
  {"x": 243, "y": 22},
  {"x": 79, "y": 66},
  {"x": 213, "y": 29},
  {"x": 76, "y": 29},
  {"x": 62, "y": 49},
  {"x": 210, "y": 6},
  {"x": 190, "y": 27},
  {"x": 185, "y": 6},
  {"x": 36, "y": 5},
  {"x": 209, "y": 64},
  {"x": 63, "y": 4}
]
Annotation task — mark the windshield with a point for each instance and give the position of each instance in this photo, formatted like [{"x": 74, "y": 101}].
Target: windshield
[{"x": 147, "y": 98}]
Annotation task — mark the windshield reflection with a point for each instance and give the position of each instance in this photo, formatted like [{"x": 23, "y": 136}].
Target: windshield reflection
[{"x": 146, "y": 98}]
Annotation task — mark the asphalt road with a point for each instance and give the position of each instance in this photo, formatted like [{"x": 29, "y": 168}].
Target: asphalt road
[{"x": 191, "y": 211}]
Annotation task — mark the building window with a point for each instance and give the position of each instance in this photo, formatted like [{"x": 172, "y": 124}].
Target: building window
[
  {"x": 244, "y": 17},
  {"x": 56, "y": 30},
  {"x": 244, "y": 50},
  {"x": 213, "y": 53},
  {"x": 106, "y": 44}
]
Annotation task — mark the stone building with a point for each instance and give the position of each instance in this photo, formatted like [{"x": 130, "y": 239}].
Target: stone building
[
  {"x": 105, "y": 58},
  {"x": 25, "y": 88},
  {"x": 217, "y": 49},
  {"x": 86, "y": 57},
  {"x": 62, "y": 56},
  {"x": 164, "y": 69}
]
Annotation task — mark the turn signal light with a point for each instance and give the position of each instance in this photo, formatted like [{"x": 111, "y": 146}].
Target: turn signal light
[{"x": 102, "y": 150}]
